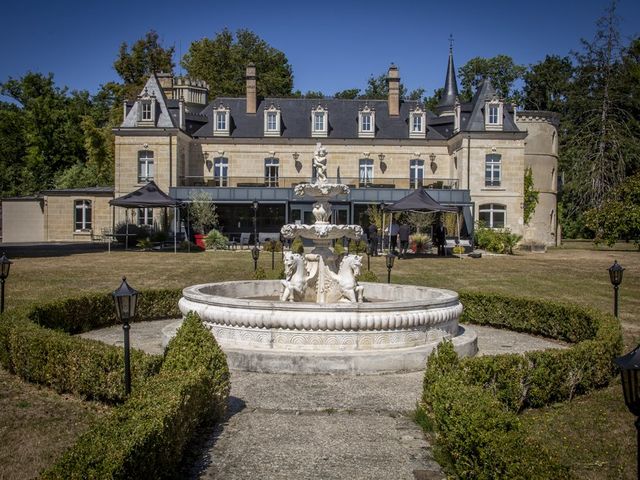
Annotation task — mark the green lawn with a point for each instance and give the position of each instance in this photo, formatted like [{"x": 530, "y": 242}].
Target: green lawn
[{"x": 594, "y": 433}]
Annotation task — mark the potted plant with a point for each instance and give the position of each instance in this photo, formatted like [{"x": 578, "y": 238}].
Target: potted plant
[{"x": 203, "y": 216}]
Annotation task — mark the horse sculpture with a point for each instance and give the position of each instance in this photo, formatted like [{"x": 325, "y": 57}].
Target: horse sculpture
[
  {"x": 346, "y": 278},
  {"x": 295, "y": 277}
]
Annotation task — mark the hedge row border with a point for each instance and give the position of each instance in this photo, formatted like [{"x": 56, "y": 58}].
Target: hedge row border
[
  {"x": 472, "y": 404},
  {"x": 145, "y": 434}
]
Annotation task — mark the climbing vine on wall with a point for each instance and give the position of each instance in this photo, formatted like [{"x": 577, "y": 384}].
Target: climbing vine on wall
[{"x": 530, "y": 195}]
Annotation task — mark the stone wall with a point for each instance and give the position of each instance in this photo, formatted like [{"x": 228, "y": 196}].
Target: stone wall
[{"x": 60, "y": 217}]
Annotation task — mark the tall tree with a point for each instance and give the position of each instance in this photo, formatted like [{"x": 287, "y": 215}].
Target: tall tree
[
  {"x": 348, "y": 94},
  {"x": 432, "y": 101},
  {"x": 501, "y": 69},
  {"x": 12, "y": 148},
  {"x": 601, "y": 141},
  {"x": 51, "y": 117},
  {"x": 145, "y": 57},
  {"x": 222, "y": 63},
  {"x": 547, "y": 84},
  {"x": 378, "y": 89}
]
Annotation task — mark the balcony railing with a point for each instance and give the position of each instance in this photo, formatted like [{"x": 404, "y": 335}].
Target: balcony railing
[{"x": 290, "y": 182}]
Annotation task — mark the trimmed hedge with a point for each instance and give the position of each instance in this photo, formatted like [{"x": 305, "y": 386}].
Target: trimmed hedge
[
  {"x": 472, "y": 404},
  {"x": 70, "y": 364},
  {"x": 51, "y": 357},
  {"x": 145, "y": 437},
  {"x": 93, "y": 311}
]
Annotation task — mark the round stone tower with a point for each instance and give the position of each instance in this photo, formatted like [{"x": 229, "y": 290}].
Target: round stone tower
[{"x": 541, "y": 154}]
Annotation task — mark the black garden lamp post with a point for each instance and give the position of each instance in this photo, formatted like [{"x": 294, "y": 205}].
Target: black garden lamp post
[
  {"x": 390, "y": 257},
  {"x": 255, "y": 222},
  {"x": 381, "y": 233},
  {"x": 5, "y": 265},
  {"x": 255, "y": 254},
  {"x": 126, "y": 300},
  {"x": 629, "y": 365},
  {"x": 615, "y": 275}
]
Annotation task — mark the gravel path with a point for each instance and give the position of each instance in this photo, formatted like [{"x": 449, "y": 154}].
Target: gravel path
[{"x": 319, "y": 426}]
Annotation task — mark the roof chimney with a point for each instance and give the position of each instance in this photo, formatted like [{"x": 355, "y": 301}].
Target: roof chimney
[
  {"x": 251, "y": 88},
  {"x": 394, "y": 91},
  {"x": 166, "y": 83}
]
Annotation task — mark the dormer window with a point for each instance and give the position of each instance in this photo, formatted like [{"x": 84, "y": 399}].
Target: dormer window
[
  {"x": 221, "y": 121},
  {"x": 272, "y": 122},
  {"x": 417, "y": 123},
  {"x": 146, "y": 109},
  {"x": 367, "y": 122},
  {"x": 319, "y": 122},
  {"x": 493, "y": 115}
]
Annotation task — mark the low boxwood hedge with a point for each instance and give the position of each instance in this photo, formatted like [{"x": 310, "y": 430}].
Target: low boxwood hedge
[
  {"x": 472, "y": 404},
  {"x": 145, "y": 437}
]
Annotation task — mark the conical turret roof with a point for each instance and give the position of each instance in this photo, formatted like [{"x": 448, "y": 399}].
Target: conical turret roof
[{"x": 448, "y": 99}]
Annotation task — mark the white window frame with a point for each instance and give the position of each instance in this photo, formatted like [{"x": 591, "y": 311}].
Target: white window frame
[
  {"x": 491, "y": 209},
  {"x": 146, "y": 159},
  {"x": 493, "y": 168},
  {"x": 221, "y": 121},
  {"x": 221, "y": 172},
  {"x": 85, "y": 223},
  {"x": 365, "y": 172},
  {"x": 272, "y": 129},
  {"x": 416, "y": 173},
  {"x": 491, "y": 121},
  {"x": 319, "y": 129},
  {"x": 367, "y": 130},
  {"x": 146, "y": 105},
  {"x": 145, "y": 216},
  {"x": 272, "y": 172},
  {"x": 417, "y": 115}
]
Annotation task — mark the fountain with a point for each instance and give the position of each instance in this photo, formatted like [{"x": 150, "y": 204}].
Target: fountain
[{"x": 320, "y": 318}]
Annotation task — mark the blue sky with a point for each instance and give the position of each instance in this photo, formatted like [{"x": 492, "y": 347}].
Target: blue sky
[{"x": 330, "y": 45}]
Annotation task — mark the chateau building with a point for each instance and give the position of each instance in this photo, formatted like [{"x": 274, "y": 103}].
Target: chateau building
[{"x": 471, "y": 155}]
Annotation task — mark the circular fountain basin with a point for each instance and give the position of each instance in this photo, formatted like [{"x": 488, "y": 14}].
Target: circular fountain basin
[{"x": 394, "y": 331}]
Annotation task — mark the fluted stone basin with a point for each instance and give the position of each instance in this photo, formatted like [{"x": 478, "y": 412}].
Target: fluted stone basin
[{"x": 394, "y": 330}]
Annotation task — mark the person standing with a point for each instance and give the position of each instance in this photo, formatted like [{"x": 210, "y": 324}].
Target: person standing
[
  {"x": 373, "y": 239},
  {"x": 393, "y": 233},
  {"x": 440, "y": 238},
  {"x": 404, "y": 232}
]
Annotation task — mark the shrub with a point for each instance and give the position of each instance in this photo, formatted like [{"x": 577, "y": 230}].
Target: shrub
[
  {"x": 259, "y": 273},
  {"x": 495, "y": 240},
  {"x": 216, "y": 240},
  {"x": 358, "y": 246},
  {"x": 471, "y": 403},
  {"x": 136, "y": 233},
  {"x": 145, "y": 437},
  {"x": 144, "y": 244},
  {"x": 338, "y": 248},
  {"x": 275, "y": 246},
  {"x": 297, "y": 246},
  {"x": 159, "y": 236},
  {"x": 418, "y": 242},
  {"x": 70, "y": 364}
]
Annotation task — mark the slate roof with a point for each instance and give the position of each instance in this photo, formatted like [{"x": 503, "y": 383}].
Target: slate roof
[
  {"x": 164, "y": 118},
  {"x": 79, "y": 191},
  {"x": 295, "y": 114}
]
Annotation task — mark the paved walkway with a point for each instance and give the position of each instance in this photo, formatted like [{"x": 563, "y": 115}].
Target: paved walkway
[{"x": 319, "y": 426}]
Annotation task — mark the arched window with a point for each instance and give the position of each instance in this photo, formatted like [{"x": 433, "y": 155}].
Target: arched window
[
  {"x": 271, "y": 171},
  {"x": 493, "y": 215},
  {"x": 145, "y": 166}
]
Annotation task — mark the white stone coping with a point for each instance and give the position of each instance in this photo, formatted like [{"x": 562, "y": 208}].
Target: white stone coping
[{"x": 397, "y": 307}]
